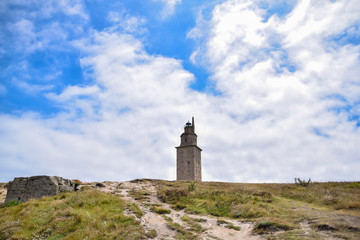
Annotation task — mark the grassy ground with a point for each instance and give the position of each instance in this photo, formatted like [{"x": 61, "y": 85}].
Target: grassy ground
[
  {"x": 323, "y": 207},
  {"x": 317, "y": 211},
  {"x": 77, "y": 215}
]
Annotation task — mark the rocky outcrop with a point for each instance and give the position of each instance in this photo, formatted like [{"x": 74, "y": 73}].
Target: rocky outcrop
[{"x": 25, "y": 188}]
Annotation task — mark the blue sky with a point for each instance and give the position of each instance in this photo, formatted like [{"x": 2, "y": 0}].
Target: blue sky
[{"x": 100, "y": 90}]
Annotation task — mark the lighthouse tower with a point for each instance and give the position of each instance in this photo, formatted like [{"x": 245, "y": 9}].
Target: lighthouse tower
[{"x": 188, "y": 155}]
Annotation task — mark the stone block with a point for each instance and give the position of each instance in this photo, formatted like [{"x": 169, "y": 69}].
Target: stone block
[{"x": 25, "y": 188}]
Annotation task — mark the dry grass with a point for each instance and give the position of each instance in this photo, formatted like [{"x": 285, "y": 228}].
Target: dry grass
[{"x": 336, "y": 195}]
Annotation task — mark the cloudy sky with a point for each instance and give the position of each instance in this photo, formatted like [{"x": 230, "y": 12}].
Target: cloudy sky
[{"x": 100, "y": 90}]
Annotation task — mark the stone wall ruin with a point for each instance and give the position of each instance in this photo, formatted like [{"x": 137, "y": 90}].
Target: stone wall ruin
[{"x": 24, "y": 188}]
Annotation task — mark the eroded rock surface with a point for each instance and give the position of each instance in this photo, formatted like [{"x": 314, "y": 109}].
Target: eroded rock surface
[{"x": 25, "y": 188}]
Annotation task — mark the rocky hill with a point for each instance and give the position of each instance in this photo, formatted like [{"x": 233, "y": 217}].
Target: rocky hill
[{"x": 156, "y": 209}]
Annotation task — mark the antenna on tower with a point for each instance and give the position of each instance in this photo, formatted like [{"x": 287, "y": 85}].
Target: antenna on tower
[{"x": 193, "y": 124}]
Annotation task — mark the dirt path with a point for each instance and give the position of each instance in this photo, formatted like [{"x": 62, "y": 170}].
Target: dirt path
[{"x": 206, "y": 227}]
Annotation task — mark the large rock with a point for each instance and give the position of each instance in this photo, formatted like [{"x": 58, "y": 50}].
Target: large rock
[{"x": 24, "y": 188}]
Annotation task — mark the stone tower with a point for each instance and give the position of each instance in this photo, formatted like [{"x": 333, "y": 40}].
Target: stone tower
[{"x": 188, "y": 155}]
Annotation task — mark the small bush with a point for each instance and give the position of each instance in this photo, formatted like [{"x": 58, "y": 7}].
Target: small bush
[{"x": 303, "y": 183}]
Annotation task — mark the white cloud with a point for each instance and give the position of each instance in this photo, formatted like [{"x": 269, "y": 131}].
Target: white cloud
[
  {"x": 274, "y": 111},
  {"x": 31, "y": 88},
  {"x": 33, "y": 25},
  {"x": 270, "y": 123},
  {"x": 169, "y": 7},
  {"x": 126, "y": 23},
  {"x": 124, "y": 126}
]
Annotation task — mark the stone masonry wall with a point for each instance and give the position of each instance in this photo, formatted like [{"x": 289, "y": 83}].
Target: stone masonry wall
[
  {"x": 188, "y": 163},
  {"x": 25, "y": 188}
]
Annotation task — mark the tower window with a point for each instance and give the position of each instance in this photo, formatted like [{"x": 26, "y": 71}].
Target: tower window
[{"x": 185, "y": 139}]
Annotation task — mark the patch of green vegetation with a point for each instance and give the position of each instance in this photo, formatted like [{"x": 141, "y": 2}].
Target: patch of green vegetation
[
  {"x": 336, "y": 195},
  {"x": 134, "y": 208},
  {"x": 199, "y": 219},
  {"x": 193, "y": 224},
  {"x": 151, "y": 234},
  {"x": 72, "y": 215},
  {"x": 353, "y": 185},
  {"x": 85, "y": 188},
  {"x": 231, "y": 226},
  {"x": 160, "y": 210},
  {"x": 178, "y": 206},
  {"x": 192, "y": 186},
  {"x": 140, "y": 195},
  {"x": 182, "y": 233},
  {"x": 295, "y": 234},
  {"x": 217, "y": 199},
  {"x": 153, "y": 205},
  {"x": 227, "y": 224},
  {"x": 11, "y": 203},
  {"x": 265, "y": 227}
]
